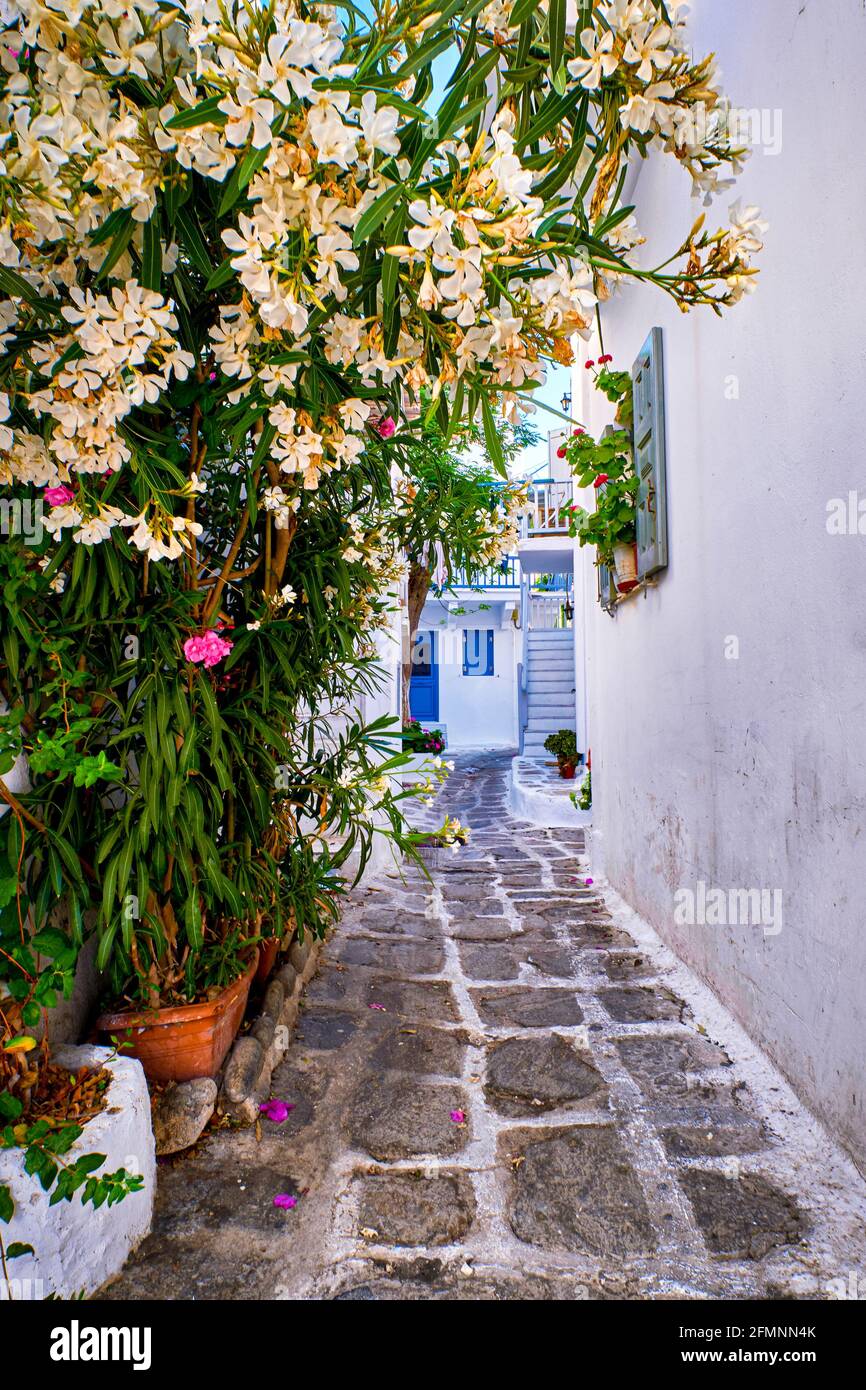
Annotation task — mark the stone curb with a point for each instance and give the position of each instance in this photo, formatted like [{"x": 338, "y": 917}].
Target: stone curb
[{"x": 246, "y": 1074}]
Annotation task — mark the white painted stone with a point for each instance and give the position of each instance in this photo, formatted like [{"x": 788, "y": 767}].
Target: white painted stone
[
  {"x": 77, "y": 1248},
  {"x": 548, "y": 802}
]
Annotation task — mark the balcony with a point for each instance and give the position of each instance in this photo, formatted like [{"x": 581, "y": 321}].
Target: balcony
[
  {"x": 505, "y": 575},
  {"x": 545, "y": 545},
  {"x": 542, "y": 516}
]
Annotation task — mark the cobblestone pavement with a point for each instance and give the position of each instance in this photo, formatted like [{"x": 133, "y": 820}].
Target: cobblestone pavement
[{"x": 615, "y": 1143}]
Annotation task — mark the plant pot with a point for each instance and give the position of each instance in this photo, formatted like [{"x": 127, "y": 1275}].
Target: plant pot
[
  {"x": 566, "y": 770},
  {"x": 266, "y": 959},
  {"x": 625, "y": 565},
  {"x": 180, "y": 1044}
]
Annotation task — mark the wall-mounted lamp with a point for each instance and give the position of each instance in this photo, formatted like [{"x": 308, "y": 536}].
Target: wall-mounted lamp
[{"x": 566, "y": 403}]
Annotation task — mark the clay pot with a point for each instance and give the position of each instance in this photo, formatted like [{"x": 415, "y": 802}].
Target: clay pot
[
  {"x": 625, "y": 561},
  {"x": 267, "y": 958},
  {"x": 566, "y": 770},
  {"x": 180, "y": 1044}
]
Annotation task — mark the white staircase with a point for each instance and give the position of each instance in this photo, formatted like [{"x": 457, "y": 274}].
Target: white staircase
[{"x": 549, "y": 687}]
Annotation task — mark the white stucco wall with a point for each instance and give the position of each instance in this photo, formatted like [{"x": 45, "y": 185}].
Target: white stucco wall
[
  {"x": 478, "y": 711},
  {"x": 751, "y": 771}
]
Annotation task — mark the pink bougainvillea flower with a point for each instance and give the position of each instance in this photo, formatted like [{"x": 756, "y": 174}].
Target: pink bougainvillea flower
[
  {"x": 276, "y": 1110},
  {"x": 208, "y": 648},
  {"x": 381, "y": 1008},
  {"x": 588, "y": 882},
  {"x": 386, "y": 427},
  {"x": 58, "y": 496},
  {"x": 458, "y": 1116},
  {"x": 284, "y": 1200}
]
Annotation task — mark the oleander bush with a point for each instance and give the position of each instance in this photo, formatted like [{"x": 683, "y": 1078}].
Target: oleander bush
[{"x": 248, "y": 254}]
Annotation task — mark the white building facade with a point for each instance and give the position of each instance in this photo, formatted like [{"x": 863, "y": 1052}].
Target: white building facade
[{"x": 726, "y": 698}]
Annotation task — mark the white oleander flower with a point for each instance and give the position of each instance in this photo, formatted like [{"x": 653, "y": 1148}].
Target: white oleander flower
[
  {"x": 379, "y": 125},
  {"x": 649, "y": 46},
  {"x": 434, "y": 227},
  {"x": 599, "y": 60}
]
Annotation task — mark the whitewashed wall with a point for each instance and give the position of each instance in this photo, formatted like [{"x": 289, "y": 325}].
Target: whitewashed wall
[
  {"x": 478, "y": 711},
  {"x": 750, "y": 770}
]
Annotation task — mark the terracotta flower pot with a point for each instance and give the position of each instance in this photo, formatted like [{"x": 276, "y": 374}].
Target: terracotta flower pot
[
  {"x": 625, "y": 562},
  {"x": 267, "y": 957},
  {"x": 566, "y": 770},
  {"x": 179, "y": 1044}
]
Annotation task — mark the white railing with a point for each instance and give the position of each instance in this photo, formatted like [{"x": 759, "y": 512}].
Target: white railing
[
  {"x": 548, "y": 611},
  {"x": 546, "y": 498}
]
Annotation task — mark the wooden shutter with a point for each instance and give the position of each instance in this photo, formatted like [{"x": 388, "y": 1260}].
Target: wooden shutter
[{"x": 649, "y": 456}]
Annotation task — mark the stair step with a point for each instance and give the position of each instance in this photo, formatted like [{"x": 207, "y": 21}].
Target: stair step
[{"x": 565, "y": 687}]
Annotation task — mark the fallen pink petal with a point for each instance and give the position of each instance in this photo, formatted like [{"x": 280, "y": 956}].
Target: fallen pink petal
[
  {"x": 588, "y": 882},
  {"x": 284, "y": 1201},
  {"x": 458, "y": 1116},
  {"x": 381, "y": 1008},
  {"x": 276, "y": 1110}
]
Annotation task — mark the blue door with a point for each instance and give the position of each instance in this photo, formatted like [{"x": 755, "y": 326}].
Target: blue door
[{"x": 424, "y": 685}]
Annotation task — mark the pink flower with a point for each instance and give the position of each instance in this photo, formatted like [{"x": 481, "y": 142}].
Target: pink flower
[
  {"x": 380, "y": 1007},
  {"x": 208, "y": 648},
  {"x": 276, "y": 1110},
  {"x": 283, "y": 1200},
  {"x": 386, "y": 427},
  {"x": 588, "y": 882},
  {"x": 458, "y": 1116},
  {"x": 58, "y": 496}
]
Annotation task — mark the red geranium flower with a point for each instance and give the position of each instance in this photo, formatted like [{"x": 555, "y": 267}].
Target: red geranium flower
[{"x": 602, "y": 478}]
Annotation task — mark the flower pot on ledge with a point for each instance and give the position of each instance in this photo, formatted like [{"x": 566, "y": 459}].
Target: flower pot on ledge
[
  {"x": 567, "y": 770},
  {"x": 266, "y": 959},
  {"x": 184, "y": 1042},
  {"x": 625, "y": 567}
]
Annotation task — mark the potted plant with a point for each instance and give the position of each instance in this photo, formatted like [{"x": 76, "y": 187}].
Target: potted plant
[
  {"x": 563, "y": 746},
  {"x": 419, "y": 740},
  {"x": 607, "y": 466},
  {"x": 178, "y": 1042}
]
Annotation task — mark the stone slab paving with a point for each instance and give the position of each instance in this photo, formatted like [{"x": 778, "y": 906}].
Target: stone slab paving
[{"x": 500, "y": 1094}]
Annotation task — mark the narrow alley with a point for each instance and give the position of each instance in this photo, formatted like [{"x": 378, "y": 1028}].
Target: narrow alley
[{"x": 496, "y": 1096}]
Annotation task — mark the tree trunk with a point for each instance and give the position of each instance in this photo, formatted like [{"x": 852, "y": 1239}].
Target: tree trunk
[{"x": 419, "y": 586}]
